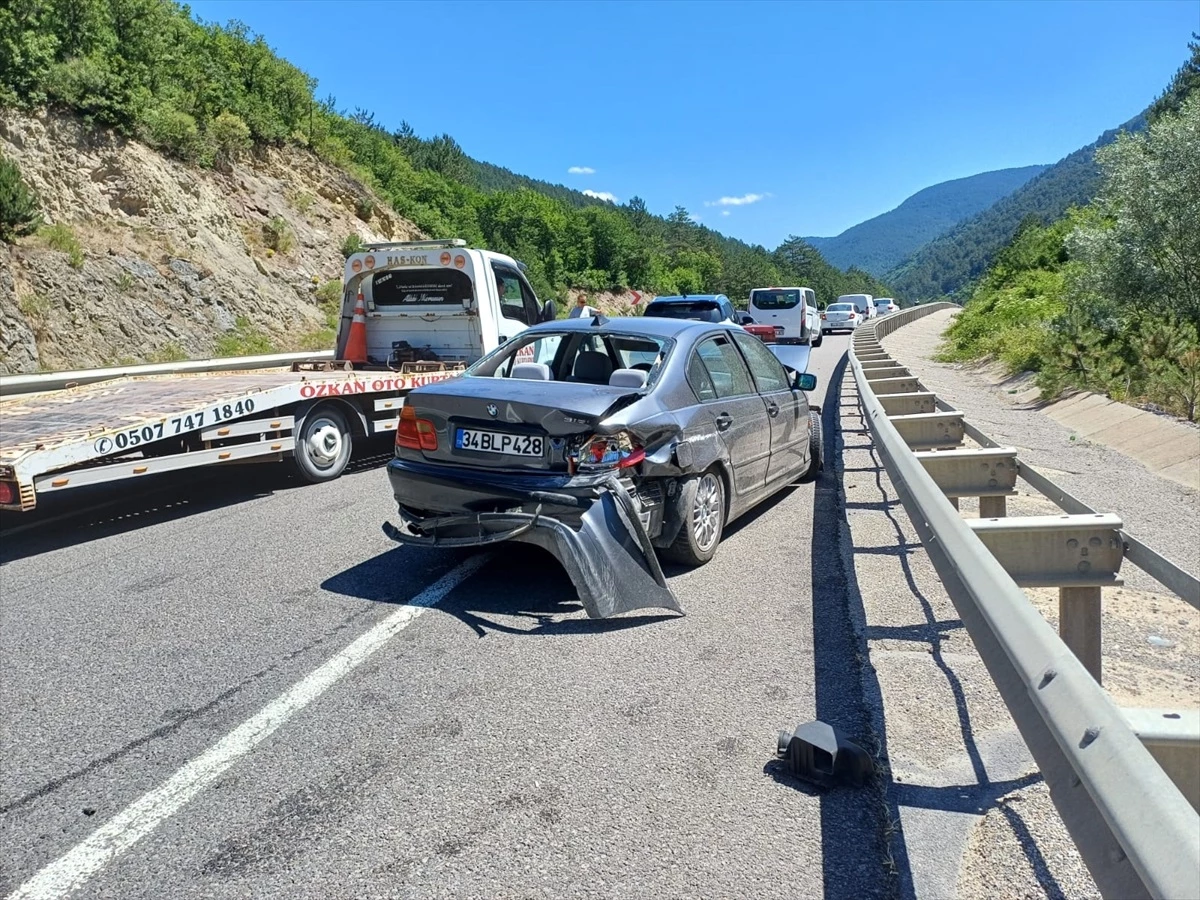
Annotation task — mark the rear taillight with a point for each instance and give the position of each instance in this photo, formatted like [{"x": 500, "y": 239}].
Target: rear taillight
[
  {"x": 822, "y": 315},
  {"x": 414, "y": 433},
  {"x": 608, "y": 451},
  {"x": 8, "y": 493}
]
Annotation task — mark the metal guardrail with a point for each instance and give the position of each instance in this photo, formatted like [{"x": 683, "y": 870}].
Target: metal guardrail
[
  {"x": 1137, "y": 833},
  {"x": 13, "y": 385}
]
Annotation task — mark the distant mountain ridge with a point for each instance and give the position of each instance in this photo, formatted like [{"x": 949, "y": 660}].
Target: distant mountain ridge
[
  {"x": 882, "y": 243},
  {"x": 950, "y": 263}
]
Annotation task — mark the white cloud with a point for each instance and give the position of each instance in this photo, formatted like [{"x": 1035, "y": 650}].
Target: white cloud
[
  {"x": 601, "y": 195},
  {"x": 581, "y": 170},
  {"x": 724, "y": 212},
  {"x": 744, "y": 200},
  {"x": 695, "y": 217}
]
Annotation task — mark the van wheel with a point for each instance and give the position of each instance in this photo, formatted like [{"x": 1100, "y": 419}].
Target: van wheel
[
  {"x": 816, "y": 448},
  {"x": 704, "y": 520},
  {"x": 820, "y": 337},
  {"x": 323, "y": 445}
]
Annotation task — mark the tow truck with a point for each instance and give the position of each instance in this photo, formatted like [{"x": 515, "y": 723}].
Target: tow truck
[{"x": 412, "y": 313}]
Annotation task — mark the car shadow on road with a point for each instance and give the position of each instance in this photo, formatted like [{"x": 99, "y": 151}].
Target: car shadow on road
[
  {"x": 91, "y": 513},
  {"x": 528, "y": 592}
]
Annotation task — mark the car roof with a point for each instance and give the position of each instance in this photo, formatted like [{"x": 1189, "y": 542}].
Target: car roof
[
  {"x": 651, "y": 326},
  {"x": 691, "y": 297}
]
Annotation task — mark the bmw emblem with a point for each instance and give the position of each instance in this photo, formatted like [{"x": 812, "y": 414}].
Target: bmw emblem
[{"x": 493, "y": 410}]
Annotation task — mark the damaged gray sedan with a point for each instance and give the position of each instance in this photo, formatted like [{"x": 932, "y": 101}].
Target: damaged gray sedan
[{"x": 607, "y": 442}]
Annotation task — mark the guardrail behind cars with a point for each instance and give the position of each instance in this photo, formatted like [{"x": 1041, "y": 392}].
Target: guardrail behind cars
[
  {"x": 1136, "y": 831},
  {"x": 13, "y": 385}
]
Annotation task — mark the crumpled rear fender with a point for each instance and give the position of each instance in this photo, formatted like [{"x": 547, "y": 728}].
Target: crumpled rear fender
[{"x": 606, "y": 552}]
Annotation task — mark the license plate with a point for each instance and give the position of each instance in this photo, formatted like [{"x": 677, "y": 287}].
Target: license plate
[{"x": 499, "y": 442}]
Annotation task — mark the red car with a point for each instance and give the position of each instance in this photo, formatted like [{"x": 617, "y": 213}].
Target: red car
[{"x": 765, "y": 333}]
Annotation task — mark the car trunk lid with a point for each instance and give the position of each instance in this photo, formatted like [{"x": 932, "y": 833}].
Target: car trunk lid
[{"x": 508, "y": 423}]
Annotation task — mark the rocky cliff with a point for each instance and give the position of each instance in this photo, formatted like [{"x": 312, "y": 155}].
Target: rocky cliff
[{"x": 144, "y": 258}]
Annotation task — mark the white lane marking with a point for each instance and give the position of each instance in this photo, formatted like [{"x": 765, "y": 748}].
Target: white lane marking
[{"x": 70, "y": 871}]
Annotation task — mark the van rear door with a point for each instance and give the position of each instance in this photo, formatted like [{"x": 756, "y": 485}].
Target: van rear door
[{"x": 781, "y": 307}]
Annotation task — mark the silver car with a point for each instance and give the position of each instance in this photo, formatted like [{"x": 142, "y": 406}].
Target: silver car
[
  {"x": 608, "y": 442},
  {"x": 840, "y": 317}
]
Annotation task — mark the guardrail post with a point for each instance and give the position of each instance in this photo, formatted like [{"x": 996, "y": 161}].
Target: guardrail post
[
  {"x": 1079, "y": 610},
  {"x": 993, "y": 507}
]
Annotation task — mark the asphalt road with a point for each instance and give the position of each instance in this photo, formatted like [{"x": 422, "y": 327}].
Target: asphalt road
[{"x": 241, "y": 688}]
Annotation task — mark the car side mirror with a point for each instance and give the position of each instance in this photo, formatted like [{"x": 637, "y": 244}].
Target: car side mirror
[
  {"x": 549, "y": 313},
  {"x": 745, "y": 319},
  {"x": 805, "y": 381}
]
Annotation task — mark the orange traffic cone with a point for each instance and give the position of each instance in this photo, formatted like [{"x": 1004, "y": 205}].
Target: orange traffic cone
[{"x": 356, "y": 343}]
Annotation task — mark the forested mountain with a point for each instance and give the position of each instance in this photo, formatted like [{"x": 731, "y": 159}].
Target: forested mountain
[
  {"x": 882, "y": 243},
  {"x": 208, "y": 94},
  {"x": 1105, "y": 298},
  {"x": 489, "y": 178},
  {"x": 950, "y": 263}
]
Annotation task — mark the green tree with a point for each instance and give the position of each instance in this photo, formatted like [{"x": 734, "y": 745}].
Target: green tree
[
  {"x": 638, "y": 215},
  {"x": 28, "y": 44},
  {"x": 1185, "y": 83},
  {"x": 1142, "y": 248},
  {"x": 19, "y": 214}
]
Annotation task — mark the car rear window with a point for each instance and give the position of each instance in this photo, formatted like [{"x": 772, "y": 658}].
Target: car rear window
[
  {"x": 701, "y": 310},
  {"x": 775, "y": 299},
  {"x": 841, "y": 307},
  {"x": 560, "y": 352},
  {"x": 421, "y": 287}
]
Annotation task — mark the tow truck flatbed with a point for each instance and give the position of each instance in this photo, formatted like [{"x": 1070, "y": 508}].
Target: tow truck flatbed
[{"x": 138, "y": 426}]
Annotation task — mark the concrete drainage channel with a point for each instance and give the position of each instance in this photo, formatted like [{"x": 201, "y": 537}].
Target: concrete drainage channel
[{"x": 1100, "y": 763}]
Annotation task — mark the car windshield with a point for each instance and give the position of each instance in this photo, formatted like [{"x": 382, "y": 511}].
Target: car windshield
[
  {"x": 577, "y": 356},
  {"x": 841, "y": 307},
  {"x": 701, "y": 310},
  {"x": 775, "y": 299}
]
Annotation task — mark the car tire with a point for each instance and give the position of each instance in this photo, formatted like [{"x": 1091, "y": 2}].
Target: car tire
[
  {"x": 820, "y": 337},
  {"x": 816, "y": 445},
  {"x": 703, "y": 502},
  {"x": 323, "y": 444}
]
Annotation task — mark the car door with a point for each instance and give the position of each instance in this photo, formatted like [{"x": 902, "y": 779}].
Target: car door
[
  {"x": 787, "y": 410},
  {"x": 737, "y": 413},
  {"x": 518, "y": 305}
]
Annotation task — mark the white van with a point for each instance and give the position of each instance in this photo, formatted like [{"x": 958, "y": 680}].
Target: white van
[
  {"x": 791, "y": 310},
  {"x": 864, "y": 303}
]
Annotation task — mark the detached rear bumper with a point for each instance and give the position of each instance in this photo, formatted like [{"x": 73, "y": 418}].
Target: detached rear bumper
[{"x": 590, "y": 525}]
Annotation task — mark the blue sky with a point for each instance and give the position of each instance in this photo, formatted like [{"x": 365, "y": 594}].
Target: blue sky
[{"x": 762, "y": 119}]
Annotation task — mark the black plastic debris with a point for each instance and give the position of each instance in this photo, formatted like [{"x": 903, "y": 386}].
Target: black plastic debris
[{"x": 816, "y": 751}]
